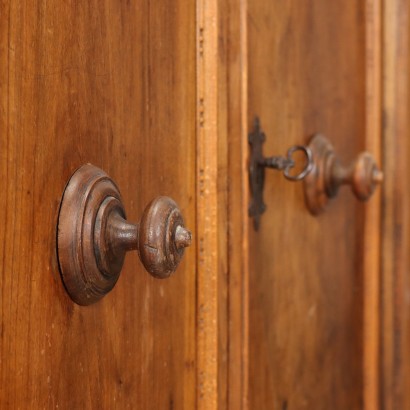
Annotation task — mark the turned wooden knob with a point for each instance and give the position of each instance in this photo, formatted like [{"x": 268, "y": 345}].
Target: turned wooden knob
[
  {"x": 94, "y": 236},
  {"x": 328, "y": 175}
]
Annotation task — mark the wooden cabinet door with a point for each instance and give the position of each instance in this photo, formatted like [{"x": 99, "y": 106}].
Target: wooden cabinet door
[
  {"x": 313, "y": 280},
  {"x": 112, "y": 83},
  {"x": 306, "y": 313}
]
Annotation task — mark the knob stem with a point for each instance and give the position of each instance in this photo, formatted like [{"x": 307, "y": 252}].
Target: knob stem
[{"x": 121, "y": 234}]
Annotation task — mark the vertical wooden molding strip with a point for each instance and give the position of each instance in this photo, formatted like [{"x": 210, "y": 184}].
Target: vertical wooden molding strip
[
  {"x": 395, "y": 346},
  {"x": 236, "y": 100},
  {"x": 245, "y": 196},
  {"x": 207, "y": 203},
  {"x": 372, "y": 226}
]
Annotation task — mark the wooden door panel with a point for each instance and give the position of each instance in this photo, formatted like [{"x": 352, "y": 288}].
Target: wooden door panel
[
  {"x": 111, "y": 83},
  {"x": 306, "y": 75}
]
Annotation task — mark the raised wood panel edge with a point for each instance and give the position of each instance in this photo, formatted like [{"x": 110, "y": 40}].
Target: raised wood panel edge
[
  {"x": 233, "y": 204},
  {"x": 395, "y": 303},
  {"x": 222, "y": 217},
  {"x": 207, "y": 205},
  {"x": 372, "y": 221}
]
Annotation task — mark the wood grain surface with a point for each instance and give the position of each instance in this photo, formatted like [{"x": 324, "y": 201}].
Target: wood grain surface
[
  {"x": 372, "y": 218},
  {"x": 308, "y": 312},
  {"x": 208, "y": 228},
  {"x": 307, "y": 74},
  {"x": 112, "y": 83},
  {"x": 233, "y": 181},
  {"x": 395, "y": 279}
]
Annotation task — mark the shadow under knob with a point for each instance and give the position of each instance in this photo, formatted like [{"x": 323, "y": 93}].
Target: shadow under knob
[{"x": 94, "y": 236}]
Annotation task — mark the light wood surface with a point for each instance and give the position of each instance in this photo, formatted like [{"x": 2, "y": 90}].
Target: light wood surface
[
  {"x": 372, "y": 217},
  {"x": 208, "y": 258}
]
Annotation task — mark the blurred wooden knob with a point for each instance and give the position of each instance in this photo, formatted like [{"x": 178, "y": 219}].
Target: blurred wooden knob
[
  {"x": 328, "y": 175},
  {"x": 94, "y": 236}
]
